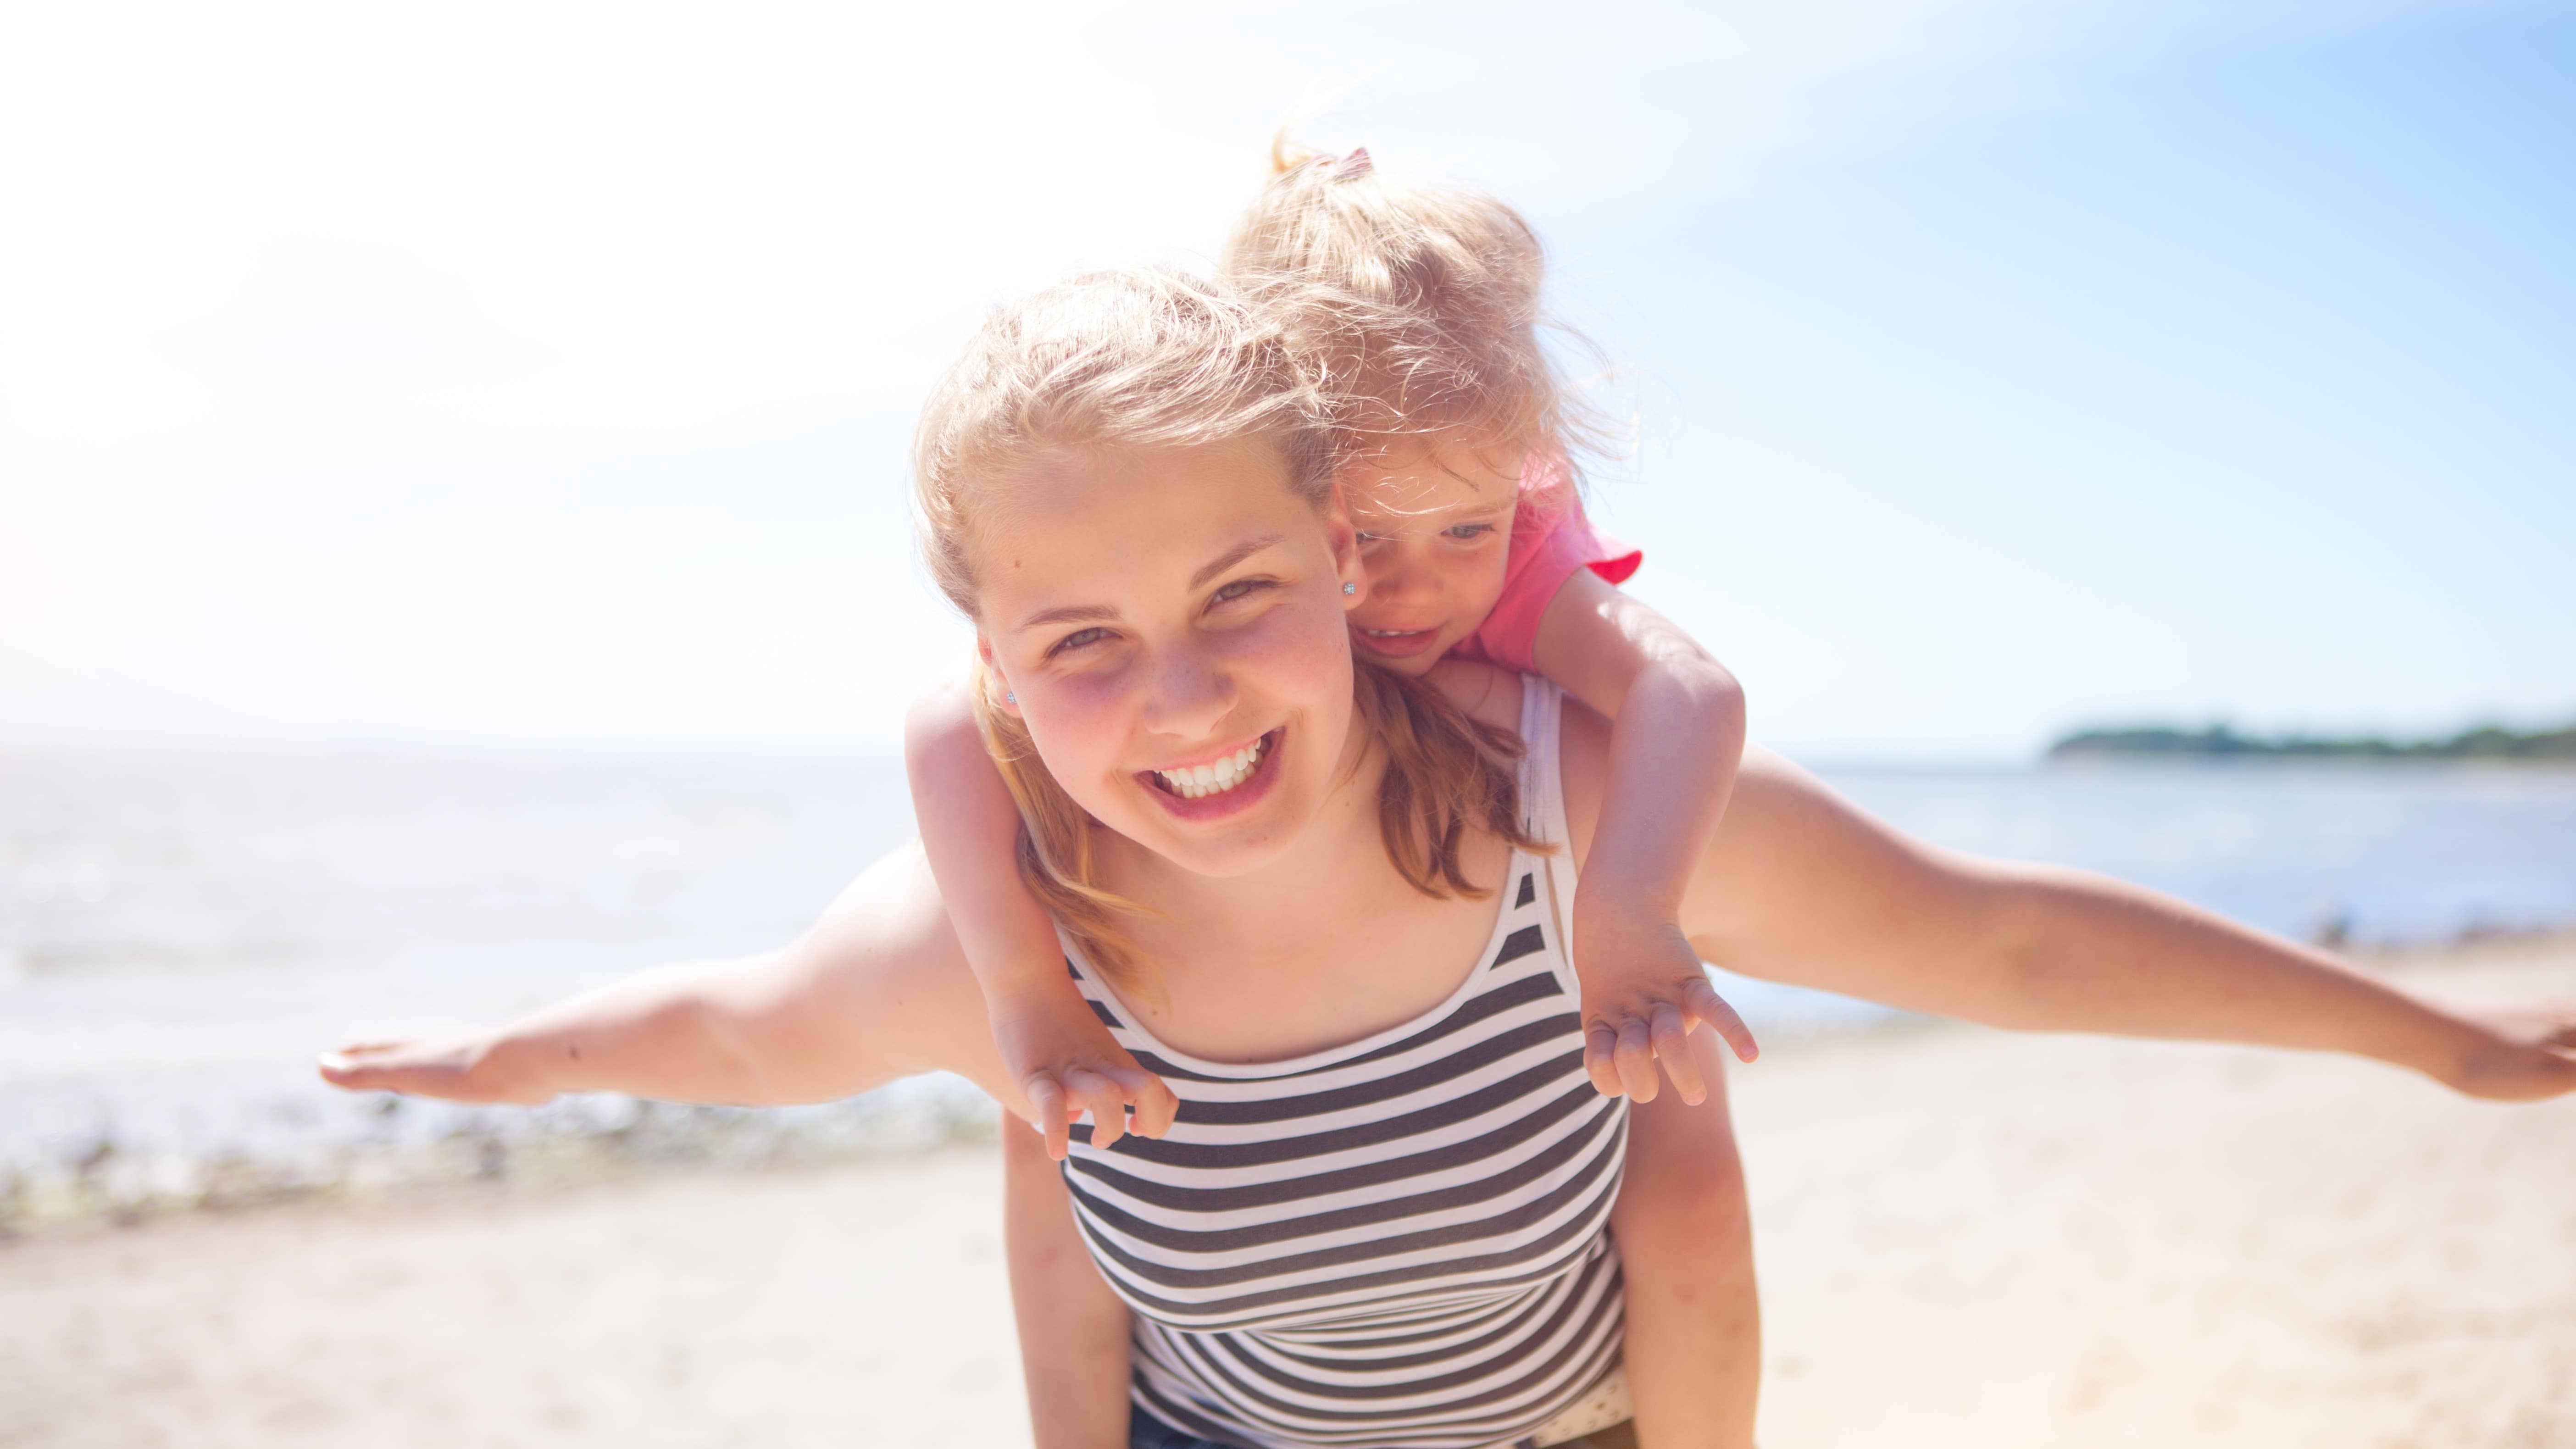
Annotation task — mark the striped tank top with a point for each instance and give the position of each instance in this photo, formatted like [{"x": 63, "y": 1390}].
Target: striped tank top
[{"x": 1398, "y": 1242}]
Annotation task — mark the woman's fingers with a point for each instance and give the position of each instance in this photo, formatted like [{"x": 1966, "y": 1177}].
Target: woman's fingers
[
  {"x": 1672, "y": 1045},
  {"x": 1701, "y": 1000},
  {"x": 421, "y": 1069}
]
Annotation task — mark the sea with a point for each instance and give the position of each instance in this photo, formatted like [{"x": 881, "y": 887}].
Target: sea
[{"x": 181, "y": 933}]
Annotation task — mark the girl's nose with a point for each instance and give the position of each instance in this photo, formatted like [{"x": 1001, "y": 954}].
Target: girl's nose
[{"x": 1396, "y": 574}]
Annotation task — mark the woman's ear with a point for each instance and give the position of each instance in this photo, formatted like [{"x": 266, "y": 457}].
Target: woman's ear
[
  {"x": 992, "y": 679},
  {"x": 1345, "y": 542}
]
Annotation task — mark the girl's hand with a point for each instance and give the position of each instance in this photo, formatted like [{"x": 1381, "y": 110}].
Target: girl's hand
[
  {"x": 1067, "y": 1063},
  {"x": 1644, "y": 992},
  {"x": 458, "y": 1067},
  {"x": 2517, "y": 1055}
]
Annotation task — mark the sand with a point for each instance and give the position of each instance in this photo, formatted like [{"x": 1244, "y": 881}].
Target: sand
[{"x": 1965, "y": 1238}]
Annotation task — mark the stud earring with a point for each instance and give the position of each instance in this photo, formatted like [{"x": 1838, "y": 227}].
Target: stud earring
[
  {"x": 1349, "y": 588},
  {"x": 1009, "y": 698}
]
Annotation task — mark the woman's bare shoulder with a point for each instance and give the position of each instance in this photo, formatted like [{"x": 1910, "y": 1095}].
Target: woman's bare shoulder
[{"x": 1486, "y": 692}]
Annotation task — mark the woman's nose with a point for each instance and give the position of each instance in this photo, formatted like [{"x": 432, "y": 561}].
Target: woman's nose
[{"x": 1192, "y": 694}]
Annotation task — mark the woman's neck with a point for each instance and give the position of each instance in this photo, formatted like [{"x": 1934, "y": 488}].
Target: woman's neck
[{"x": 1326, "y": 944}]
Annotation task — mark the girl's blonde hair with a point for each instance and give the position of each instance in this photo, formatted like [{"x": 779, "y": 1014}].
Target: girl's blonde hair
[
  {"x": 1155, "y": 358},
  {"x": 1417, "y": 307}
]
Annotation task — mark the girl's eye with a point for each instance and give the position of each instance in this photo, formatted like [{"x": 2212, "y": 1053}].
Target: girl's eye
[
  {"x": 1365, "y": 539},
  {"x": 1469, "y": 532},
  {"x": 1075, "y": 640},
  {"x": 1228, "y": 593}
]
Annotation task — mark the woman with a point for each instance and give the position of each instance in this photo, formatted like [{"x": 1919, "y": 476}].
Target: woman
[{"x": 1324, "y": 904}]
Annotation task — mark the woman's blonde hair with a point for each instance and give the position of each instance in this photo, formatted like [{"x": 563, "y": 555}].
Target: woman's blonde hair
[
  {"x": 1417, "y": 307},
  {"x": 1156, "y": 358}
]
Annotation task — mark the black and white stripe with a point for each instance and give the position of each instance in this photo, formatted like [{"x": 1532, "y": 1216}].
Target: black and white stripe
[{"x": 1399, "y": 1242}]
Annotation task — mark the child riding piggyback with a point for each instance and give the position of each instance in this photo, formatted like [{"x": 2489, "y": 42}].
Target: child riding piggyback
[{"x": 1418, "y": 310}]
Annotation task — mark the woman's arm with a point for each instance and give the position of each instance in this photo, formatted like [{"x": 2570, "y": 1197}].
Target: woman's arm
[
  {"x": 875, "y": 991},
  {"x": 1800, "y": 886},
  {"x": 1073, "y": 1330},
  {"x": 1673, "y": 750}
]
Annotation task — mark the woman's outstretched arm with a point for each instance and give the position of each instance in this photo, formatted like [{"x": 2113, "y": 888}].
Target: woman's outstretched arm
[
  {"x": 874, "y": 991},
  {"x": 1800, "y": 886}
]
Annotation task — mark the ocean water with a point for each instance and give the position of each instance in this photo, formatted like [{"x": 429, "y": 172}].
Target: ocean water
[{"x": 180, "y": 933}]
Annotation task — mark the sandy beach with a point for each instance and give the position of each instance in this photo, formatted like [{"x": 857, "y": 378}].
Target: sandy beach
[{"x": 1966, "y": 1238}]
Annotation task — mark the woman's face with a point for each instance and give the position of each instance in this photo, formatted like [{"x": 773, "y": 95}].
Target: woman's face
[{"x": 1171, "y": 623}]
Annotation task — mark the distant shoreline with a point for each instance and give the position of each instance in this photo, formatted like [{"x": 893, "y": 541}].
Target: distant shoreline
[{"x": 2220, "y": 742}]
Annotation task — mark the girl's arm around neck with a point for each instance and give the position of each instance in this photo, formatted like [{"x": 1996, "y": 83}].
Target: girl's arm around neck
[
  {"x": 1676, "y": 736},
  {"x": 970, "y": 831},
  {"x": 1051, "y": 1042},
  {"x": 1800, "y": 886},
  {"x": 874, "y": 991},
  {"x": 1673, "y": 750}
]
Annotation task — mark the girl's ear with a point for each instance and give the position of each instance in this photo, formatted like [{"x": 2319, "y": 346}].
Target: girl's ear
[
  {"x": 1345, "y": 542},
  {"x": 992, "y": 679}
]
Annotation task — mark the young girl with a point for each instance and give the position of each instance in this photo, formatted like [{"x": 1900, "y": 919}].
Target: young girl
[
  {"x": 1420, "y": 310},
  {"x": 1385, "y": 1219}
]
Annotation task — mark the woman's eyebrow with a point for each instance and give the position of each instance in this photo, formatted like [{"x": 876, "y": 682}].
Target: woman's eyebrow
[
  {"x": 1070, "y": 614},
  {"x": 1233, "y": 556}
]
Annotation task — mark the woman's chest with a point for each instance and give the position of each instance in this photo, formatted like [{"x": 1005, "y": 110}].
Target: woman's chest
[{"x": 1293, "y": 983}]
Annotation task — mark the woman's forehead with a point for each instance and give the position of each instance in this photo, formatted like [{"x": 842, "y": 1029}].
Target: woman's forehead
[{"x": 1108, "y": 521}]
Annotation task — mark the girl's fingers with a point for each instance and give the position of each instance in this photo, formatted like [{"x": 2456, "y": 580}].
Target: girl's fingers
[
  {"x": 1046, "y": 1099},
  {"x": 1636, "y": 1058},
  {"x": 1155, "y": 1104},
  {"x": 1600, "y": 1047},
  {"x": 1107, "y": 1105},
  {"x": 1701, "y": 1000},
  {"x": 1672, "y": 1047}
]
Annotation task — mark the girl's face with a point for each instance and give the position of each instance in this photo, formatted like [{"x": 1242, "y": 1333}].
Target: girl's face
[
  {"x": 1435, "y": 523},
  {"x": 1171, "y": 623}
]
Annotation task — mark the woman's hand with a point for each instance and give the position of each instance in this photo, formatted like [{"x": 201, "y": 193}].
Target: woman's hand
[
  {"x": 459, "y": 1066},
  {"x": 2516, "y": 1054}
]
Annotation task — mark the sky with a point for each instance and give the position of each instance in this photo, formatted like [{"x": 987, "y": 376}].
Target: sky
[{"x": 540, "y": 376}]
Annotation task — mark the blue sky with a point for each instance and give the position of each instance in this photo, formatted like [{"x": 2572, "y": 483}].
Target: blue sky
[{"x": 539, "y": 376}]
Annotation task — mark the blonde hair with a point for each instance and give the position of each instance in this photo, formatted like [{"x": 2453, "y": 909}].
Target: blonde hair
[
  {"x": 1156, "y": 358},
  {"x": 1417, "y": 307}
]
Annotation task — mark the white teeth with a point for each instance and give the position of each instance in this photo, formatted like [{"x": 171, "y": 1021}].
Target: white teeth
[{"x": 1199, "y": 781}]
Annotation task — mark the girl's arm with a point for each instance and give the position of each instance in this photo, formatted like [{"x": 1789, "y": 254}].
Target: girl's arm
[
  {"x": 875, "y": 991},
  {"x": 1678, "y": 732},
  {"x": 1073, "y": 1330},
  {"x": 1051, "y": 1042},
  {"x": 1800, "y": 886}
]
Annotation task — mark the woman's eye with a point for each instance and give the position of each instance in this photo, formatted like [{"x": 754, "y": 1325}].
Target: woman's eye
[
  {"x": 1075, "y": 640},
  {"x": 1469, "y": 532},
  {"x": 1228, "y": 593}
]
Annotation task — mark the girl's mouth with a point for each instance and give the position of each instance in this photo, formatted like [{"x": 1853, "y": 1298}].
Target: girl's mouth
[
  {"x": 1396, "y": 643},
  {"x": 1217, "y": 787}
]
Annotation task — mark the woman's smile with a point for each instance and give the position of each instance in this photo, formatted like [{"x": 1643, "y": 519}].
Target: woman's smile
[{"x": 1228, "y": 785}]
